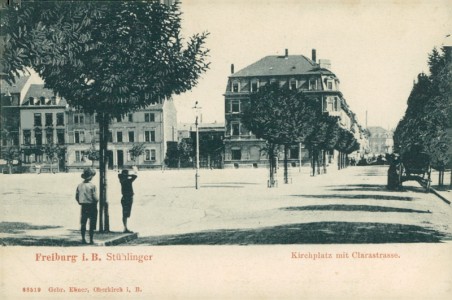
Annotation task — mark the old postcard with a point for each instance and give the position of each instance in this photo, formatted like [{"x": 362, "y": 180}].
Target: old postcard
[{"x": 231, "y": 149}]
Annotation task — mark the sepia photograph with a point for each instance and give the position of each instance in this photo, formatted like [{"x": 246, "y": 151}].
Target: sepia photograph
[{"x": 199, "y": 149}]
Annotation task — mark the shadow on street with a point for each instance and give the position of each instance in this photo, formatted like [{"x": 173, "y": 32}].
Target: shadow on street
[
  {"x": 357, "y": 196},
  {"x": 19, "y": 227},
  {"x": 305, "y": 233},
  {"x": 343, "y": 207}
]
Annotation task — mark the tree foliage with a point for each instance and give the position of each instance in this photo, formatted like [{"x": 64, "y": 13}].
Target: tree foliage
[
  {"x": 111, "y": 57},
  {"x": 428, "y": 114}
]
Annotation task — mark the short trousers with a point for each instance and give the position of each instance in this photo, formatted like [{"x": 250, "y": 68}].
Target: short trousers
[
  {"x": 89, "y": 211},
  {"x": 126, "y": 202}
]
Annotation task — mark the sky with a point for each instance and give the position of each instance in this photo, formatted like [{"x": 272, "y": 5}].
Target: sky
[{"x": 376, "y": 48}]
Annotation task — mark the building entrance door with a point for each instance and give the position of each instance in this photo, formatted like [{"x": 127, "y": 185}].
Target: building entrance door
[
  {"x": 110, "y": 159},
  {"x": 120, "y": 154}
]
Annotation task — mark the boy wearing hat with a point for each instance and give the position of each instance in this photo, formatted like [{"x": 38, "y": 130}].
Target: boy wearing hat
[
  {"x": 127, "y": 195},
  {"x": 86, "y": 196}
]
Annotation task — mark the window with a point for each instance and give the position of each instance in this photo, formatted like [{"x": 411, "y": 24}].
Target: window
[
  {"x": 78, "y": 156},
  {"x": 96, "y": 118},
  {"x": 337, "y": 104},
  {"x": 118, "y": 119},
  {"x": 254, "y": 86},
  {"x": 149, "y": 117},
  {"x": 130, "y": 117},
  {"x": 37, "y": 119},
  {"x": 49, "y": 136},
  {"x": 293, "y": 84},
  {"x": 149, "y": 155},
  {"x": 96, "y": 136},
  {"x": 235, "y": 87},
  {"x": 131, "y": 136},
  {"x": 27, "y": 137},
  {"x": 110, "y": 136},
  {"x": 236, "y": 154},
  {"x": 329, "y": 104},
  {"x": 149, "y": 136},
  {"x": 235, "y": 128},
  {"x": 79, "y": 119},
  {"x": 79, "y": 137},
  {"x": 235, "y": 106},
  {"x": 38, "y": 137},
  {"x": 313, "y": 84},
  {"x": 49, "y": 119},
  {"x": 60, "y": 136},
  {"x": 119, "y": 136},
  {"x": 329, "y": 85},
  {"x": 60, "y": 119}
]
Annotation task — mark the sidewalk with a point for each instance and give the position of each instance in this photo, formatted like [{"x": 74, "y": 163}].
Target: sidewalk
[
  {"x": 444, "y": 192},
  {"x": 23, "y": 234}
]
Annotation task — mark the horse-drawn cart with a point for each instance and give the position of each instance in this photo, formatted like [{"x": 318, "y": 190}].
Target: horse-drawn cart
[{"x": 412, "y": 165}]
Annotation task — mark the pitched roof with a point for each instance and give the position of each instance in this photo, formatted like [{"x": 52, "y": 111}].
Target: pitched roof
[
  {"x": 38, "y": 91},
  {"x": 274, "y": 65},
  {"x": 15, "y": 87}
]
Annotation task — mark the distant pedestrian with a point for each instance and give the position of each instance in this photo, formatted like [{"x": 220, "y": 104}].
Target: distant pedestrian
[
  {"x": 126, "y": 181},
  {"x": 86, "y": 196}
]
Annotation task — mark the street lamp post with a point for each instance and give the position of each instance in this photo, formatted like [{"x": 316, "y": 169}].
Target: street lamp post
[{"x": 197, "y": 146}]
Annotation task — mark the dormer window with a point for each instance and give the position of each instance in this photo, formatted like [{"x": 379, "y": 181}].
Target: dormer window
[
  {"x": 329, "y": 85},
  {"x": 293, "y": 84},
  {"x": 254, "y": 86},
  {"x": 235, "y": 87},
  {"x": 313, "y": 84}
]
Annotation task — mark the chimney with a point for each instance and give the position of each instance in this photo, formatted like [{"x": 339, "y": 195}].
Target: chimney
[
  {"x": 314, "y": 55},
  {"x": 232, "y": 68},
  {"x": 287, "y": 53}
]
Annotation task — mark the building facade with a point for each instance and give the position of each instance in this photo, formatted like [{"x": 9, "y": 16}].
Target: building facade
[
  {"x": 152, "y": 128},
  {"x": 380, "y": 141},
  {"x": 35, "y": 119},
  {"x": 297, "y": 72}
]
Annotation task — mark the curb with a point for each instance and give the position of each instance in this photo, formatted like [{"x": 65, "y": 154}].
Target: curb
[
  {"x": 440, "y": 196},
  {"x": 118, "y": 240}
]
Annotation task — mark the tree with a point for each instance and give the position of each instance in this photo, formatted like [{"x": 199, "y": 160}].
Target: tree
[
  {"x": 137, "y": 150},
  {"x": 11, "y": 154},
  {"x": 428, "y": 114},
  {"x": 109, "y": 58},
  {"x": 324, "y": 137},
  {"x": 180, "y": 154},
  {"x": 280, "y": 116},
  {"x": 53, "y": 152},
  {"x": 93, "y": 154}
]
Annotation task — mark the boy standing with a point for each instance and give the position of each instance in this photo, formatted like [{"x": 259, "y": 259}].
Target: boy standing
[
  {"x": 86, "y": 196},
  {"x": 127, "y": 196}
]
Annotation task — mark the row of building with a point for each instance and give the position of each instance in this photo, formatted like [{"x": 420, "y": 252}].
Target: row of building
[{"x": 33, "y": 117}]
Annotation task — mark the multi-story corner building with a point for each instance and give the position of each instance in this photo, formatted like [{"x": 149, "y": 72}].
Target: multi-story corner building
[
  {"x": 153, "y": 127},
  {"x": 42, "y": 122},
  {"x": 11, "y": 97},
  {"x": 298, "y": 72},
  {"x": 380, "y": 141}
]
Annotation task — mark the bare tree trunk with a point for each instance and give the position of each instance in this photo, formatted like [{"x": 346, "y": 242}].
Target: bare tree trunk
[
  {"x": 286, "y": 171},
  {"x": 104, "y": 222},
  {"x": 271, "y": 154}
]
